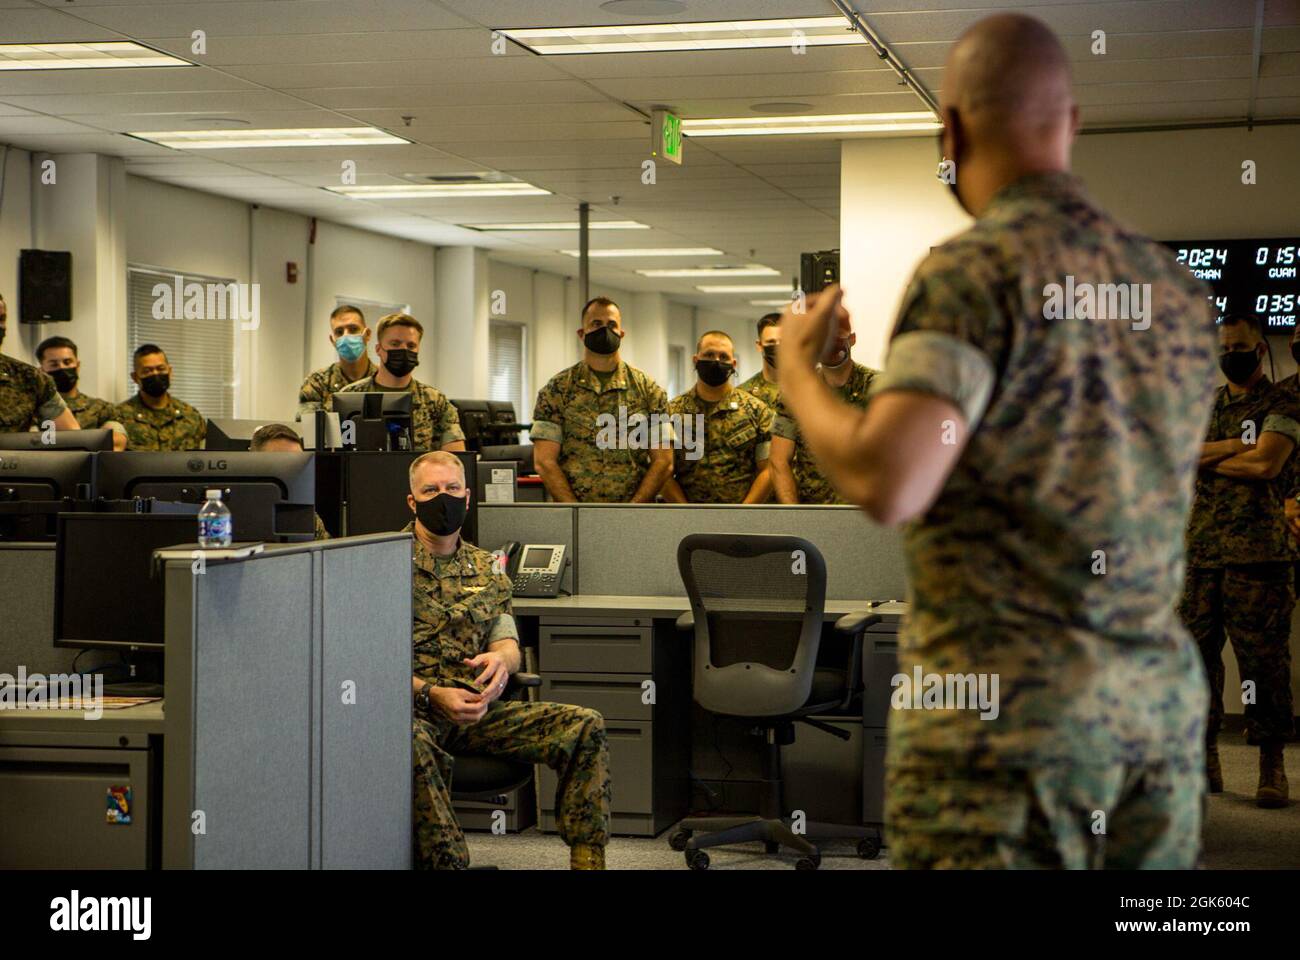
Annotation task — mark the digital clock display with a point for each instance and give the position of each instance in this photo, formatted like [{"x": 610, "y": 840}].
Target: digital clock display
[{"x": 1248, "y": 276}]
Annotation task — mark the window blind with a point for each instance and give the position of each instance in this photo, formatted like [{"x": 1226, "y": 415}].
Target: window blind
[{"x": 506, "y": 363}]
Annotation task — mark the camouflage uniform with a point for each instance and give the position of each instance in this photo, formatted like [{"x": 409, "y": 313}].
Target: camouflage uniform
[
  {"x": 736, "y": 441},
  {"x": 1240, "y": 576},
  {"x": 461, "y": 605},
  {"x": 178, "y": 426},
  {"x": 434, "y": 419},
  {"x": 318, "y": 527},
  {"x": 28, "y": 397},
  {"x": 813, "y": 485},
  {"x": 322, "y": 384},
  {"x": 567, "y": 412},
  {"x": 1083, "y": 445},
  {"x": 91, "y": 412},
  {"x": 769, "y": 393}
]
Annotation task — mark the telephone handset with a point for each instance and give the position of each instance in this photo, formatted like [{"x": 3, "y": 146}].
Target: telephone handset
[{"x": 535, "y": 569}]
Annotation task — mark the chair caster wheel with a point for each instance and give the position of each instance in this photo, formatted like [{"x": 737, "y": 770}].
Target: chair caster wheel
[
  {"x": 679, "y": 840},
  {"x": 771, "y": 846},
  {"x": 808, "y": 863},
  {"x": 868, "y": 848},
  {"x": 697, "y": 859}
]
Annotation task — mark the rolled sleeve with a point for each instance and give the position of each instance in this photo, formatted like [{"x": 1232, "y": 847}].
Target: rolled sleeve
[
  {"x": 51, "y": 406},
  {"x": 763, "y": 451},
  {"x": 1283, "y": 424},
  {"x": 546, "y": 430},
  {"x": 503, "y": 628},
  {"x": 114, "y": 426},
  {"x": 784, "y": 427},
  {"x": 942, "y": 365},
  {"x": 451, "y": 433}
]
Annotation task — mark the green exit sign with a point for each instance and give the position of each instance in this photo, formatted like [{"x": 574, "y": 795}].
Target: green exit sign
[{"x": 666, "y": 134}]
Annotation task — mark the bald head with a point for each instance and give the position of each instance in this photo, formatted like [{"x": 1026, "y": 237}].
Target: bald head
[{"x": 1006, "y": 103}]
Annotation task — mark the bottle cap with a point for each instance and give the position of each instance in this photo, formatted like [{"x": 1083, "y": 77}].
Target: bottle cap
[{"x": 213, "y": 494}]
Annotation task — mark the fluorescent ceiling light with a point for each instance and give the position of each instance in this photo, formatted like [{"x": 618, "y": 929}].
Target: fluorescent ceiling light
[
  {"x": 558, "y": 225},
  {"x": 753, "y": 270},
  {"x": 245, "y": 138},
  {"x": 663, "y": 37},
  {"x": 424, "y": 191},
  {"x": 650, "y": 252},
  {"x": 83, "y": 56},
  {"x": 771, "y": 303},
  {"x": 751, "y": 288},
  {"x": 916, "y": 121}
]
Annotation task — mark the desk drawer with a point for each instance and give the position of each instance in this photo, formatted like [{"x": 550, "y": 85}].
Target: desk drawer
[
  {"x": 616, "y": 695},
  {"x": 603, "y": 648},
  {"x": 879, "y": 665},
  {"x": 631, "y": 769}
]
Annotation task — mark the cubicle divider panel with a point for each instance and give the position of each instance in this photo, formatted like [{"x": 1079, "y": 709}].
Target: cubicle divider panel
[
  {"x": 252, "y": 712},
  {"x": 27, "y": 638},
  {"x": 630, "y": 549},
  {"x": 366, "y": 706},
  {"x": 500, "y": 523}
]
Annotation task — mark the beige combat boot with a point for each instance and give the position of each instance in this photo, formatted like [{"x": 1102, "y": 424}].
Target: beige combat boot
[
  {"x": 586, "y": 856},
  {"x": 1213, "y": 772},
  {"x": 1273, "y": 788}
]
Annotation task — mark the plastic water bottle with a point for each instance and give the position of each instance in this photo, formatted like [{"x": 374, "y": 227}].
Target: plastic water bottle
[{"x": 214, "y": 522}]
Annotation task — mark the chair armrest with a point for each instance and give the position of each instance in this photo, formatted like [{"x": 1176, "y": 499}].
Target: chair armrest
[
  {"x": 525, "y": 679},
  {"x": 855, "y": 623},
  {"x": 686, "y": 622}
]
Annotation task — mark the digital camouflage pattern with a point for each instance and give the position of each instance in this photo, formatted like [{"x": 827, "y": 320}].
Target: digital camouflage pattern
[
  {"x": 322, "y": 384},
  {"x": 566, "y": 413},
  {"x": 1085, "y": 455},
  {"x": 737, "y": 440},
  {"x": 28, "y": 397},
  {"x": 1288, "y": 480},
  {"x": 1235, "y": 520},
  {"x": 1044, "y": 818},
  {"x": 434, "y": 419},
  {"x": 766, "y": 391},
  {"x": 457, "y": 602},
  {"x": 91, "y": 412},
  {"x": 318, "y": 527},
  {"x": 814, "y": 487},
  {"x": 1251, "y": 604},
  {"x": 177, "y": 426}
]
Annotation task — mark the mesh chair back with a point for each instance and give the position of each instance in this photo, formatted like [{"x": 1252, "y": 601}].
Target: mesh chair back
[{"x": 758, "y": 605}]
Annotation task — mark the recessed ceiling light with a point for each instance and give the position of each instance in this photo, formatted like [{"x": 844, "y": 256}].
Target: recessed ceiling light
[
  {"x": 751, "y": 288},
  {"x": 556, "y": 225},
  {"x": 752, "y": 270},
  {"x": 84, "y": 56},
  {"x": 424, "y": 191},
  {"x": 663, "y": 37},
  {"x": 915, "y": 121},
  {"x": 650, "y": 252},
  {"x": 644, "y": 8},
  {"x": 291, "y": 137},
  {"x": 771, "y": 303},
  {"x": 781, "y": 107}
]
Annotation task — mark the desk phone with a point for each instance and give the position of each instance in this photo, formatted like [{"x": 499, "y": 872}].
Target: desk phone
[{"x": 535, "y": 569}]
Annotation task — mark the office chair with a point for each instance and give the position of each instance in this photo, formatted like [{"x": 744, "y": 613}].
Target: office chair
[
  {"x": 476, "y": 777},
  {"x": 757, "y": 608}
]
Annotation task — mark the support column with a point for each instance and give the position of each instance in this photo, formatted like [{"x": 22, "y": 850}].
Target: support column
[{"x": 455, "y": 359}]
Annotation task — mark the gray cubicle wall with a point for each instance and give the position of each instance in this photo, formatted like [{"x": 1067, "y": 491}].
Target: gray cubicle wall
[
  {"x": 629, "y": 549},
  {"x": 27, "y": 613},
  {"x": 263, "y": 656},
  {"x": 500, "y": 523}
]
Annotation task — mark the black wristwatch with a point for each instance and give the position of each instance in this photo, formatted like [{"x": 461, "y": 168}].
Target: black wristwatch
[{"x": 422, "y": 700}]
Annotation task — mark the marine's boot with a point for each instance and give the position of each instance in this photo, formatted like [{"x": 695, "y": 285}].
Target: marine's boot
[
  {"x": 586, "y": 856},
  {"x": 1213, "y": 772},
  {"x": 1273, "y": 788}
]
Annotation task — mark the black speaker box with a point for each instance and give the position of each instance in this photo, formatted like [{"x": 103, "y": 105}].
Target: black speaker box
[{"x": 44, "y": 286}]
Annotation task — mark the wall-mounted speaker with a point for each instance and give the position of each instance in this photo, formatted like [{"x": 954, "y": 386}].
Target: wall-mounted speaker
[
  {"x": 44, "y": 286},
  {"x": 819, "y": 270}
]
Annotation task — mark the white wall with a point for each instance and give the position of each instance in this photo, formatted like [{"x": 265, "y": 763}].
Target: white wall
[
  {"x": 1177, "y": 185},
  {"x": 15, "y": 235}
]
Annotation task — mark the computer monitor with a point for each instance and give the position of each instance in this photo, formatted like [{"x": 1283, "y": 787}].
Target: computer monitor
[
  {"x": 474, "y": 415},
  {"x": 88, "y": 440},
  {"x": 376, "y": 485},
  {"x": 106, "y": 591},
  {"x": 228, "y": 434},
  {"x": 381, "y": 420},
  {"x": 35, "y": 485},
  {"x": 271, "y": 496}
]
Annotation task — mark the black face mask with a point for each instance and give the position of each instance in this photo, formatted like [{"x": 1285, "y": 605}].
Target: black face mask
[
  {"x": 1239, "y": 365},
  {"x": 442, "y": 515},
  {"x": 769, "y": 355},
  {"x": 603, "y": 340},
  {"x": 714, "y": 372},
  {"x": 64, "y": 379},
  {"x": 401, "y": 362},
  {"x": 155, "y": 385}
]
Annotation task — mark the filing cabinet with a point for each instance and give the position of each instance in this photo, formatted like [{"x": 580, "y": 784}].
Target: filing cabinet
[{"x": 636, "y": 673}]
